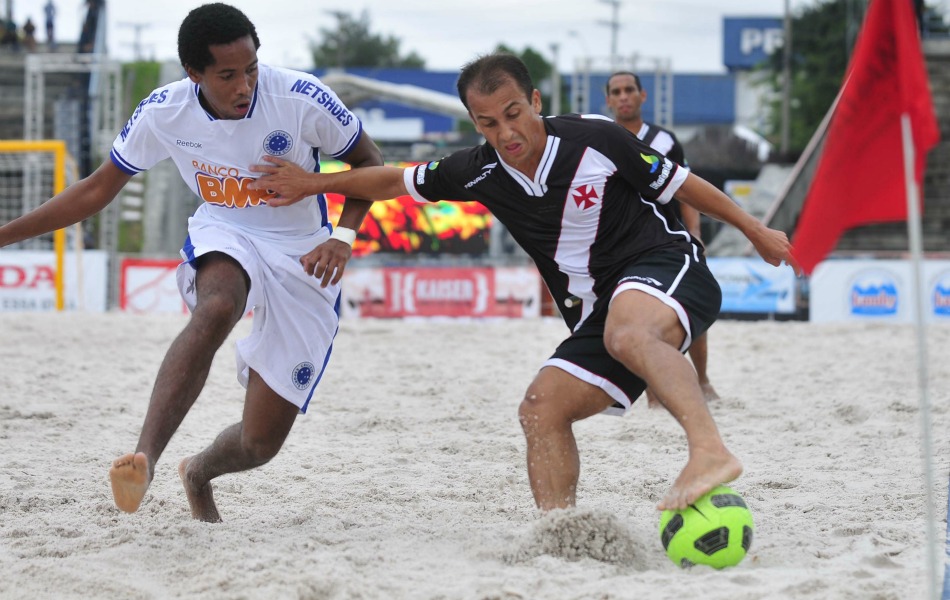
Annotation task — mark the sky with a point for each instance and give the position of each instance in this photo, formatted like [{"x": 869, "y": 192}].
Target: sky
[{"x": 687, "y": 33}]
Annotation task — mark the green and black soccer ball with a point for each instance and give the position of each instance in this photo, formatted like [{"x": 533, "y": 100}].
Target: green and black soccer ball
[{"x": 716, "y": 530}]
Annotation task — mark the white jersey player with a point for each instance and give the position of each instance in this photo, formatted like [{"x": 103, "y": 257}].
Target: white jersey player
[
  {"x": 241, "y": 254},
  {"x": 290, "y": 114}
]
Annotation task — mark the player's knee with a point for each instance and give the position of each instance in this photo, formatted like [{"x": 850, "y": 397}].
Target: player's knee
[
  {"x": 222, "y": 306},
  {"x": 219, "y": 310},
  {"x": 530, "y": 411},
  {"x": 539, "y": 410},
  {"x": 625, "y": 344},
  {"x": 260, "y": 450}
]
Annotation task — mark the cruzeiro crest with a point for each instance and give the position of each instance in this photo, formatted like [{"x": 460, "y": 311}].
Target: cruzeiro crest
[
  {"x": 278, "y": 143},
  {"x": 302, "y": 375}
]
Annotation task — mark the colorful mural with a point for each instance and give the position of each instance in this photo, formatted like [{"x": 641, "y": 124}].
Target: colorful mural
[{"x": 403, "y": 226}]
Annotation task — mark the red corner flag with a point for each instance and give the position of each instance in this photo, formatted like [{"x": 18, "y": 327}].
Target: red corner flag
[{"x": 860, "y": 175}]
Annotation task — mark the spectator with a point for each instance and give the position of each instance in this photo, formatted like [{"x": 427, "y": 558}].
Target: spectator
[
  {"x": 50, "y": 10},
  {"x": 10, "y": 37},
  {"x": 29, "y": 37}
]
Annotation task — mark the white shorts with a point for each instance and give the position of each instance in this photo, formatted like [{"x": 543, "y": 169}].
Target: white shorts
[{"x": 295, "y": 320}]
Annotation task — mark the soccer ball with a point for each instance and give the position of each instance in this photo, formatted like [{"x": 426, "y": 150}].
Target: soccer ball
[{"x": 716, "y": 530}]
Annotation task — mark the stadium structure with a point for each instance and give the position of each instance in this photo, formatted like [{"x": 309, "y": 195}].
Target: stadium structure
[{"x": 76, "y": 94}]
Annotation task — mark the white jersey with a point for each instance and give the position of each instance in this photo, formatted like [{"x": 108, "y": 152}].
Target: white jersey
[{"x": 292, "y": 115}]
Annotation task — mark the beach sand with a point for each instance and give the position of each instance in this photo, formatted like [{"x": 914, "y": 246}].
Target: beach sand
[{"x": 406, "y": 479}]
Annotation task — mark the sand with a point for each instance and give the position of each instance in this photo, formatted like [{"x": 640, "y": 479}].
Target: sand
[{"x": 406, "y": 479}]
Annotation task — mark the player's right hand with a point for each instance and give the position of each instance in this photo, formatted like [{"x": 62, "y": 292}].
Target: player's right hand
[
  {"x": 286, "y": 182},
  {"x": 327, "y": 261}
]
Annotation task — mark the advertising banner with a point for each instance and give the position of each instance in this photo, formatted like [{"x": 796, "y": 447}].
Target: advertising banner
[
  {"x": 748, "y": 41},
  {"x": 28, "y": 280},
  {"x": 149, "y": 286},
  {"x": 395, "y": 292},
  {"x": 437, "y": 292},
  {"x": 404, "y": 226},
  {"x": 751, "y": 285},
  {"x": 878, "y": 290}
]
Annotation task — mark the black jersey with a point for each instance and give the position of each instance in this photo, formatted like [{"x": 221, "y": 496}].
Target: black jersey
[
  {"x": 600, "y": 199},
  {"x": 663, "y": 141}
]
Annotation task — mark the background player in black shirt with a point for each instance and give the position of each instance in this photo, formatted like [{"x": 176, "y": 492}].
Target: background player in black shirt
[
  {"x": 625, "y": 98},
  {"x": 590, "y": 203}
]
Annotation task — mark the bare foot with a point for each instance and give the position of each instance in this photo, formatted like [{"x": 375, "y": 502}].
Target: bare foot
[
  {"x": 130, "y": 478},
  {"x": 702, "y": 472},
  {"x": 200, "y": 497},
  {"x": 709, "y": 393}
]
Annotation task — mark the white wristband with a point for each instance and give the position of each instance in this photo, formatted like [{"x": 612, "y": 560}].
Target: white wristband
[{"x": 344, "y": 234}]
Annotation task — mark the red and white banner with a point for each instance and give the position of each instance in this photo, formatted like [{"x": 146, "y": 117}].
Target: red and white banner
[
  {"x": 149, "y": 286},
  {"x": 439, "y": 292},
  {"x": 28, "y": 280},
  {"x": 442, "y": 292}
]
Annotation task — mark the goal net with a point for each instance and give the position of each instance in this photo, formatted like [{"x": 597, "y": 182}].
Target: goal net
[{"x": 32, "y": 172}]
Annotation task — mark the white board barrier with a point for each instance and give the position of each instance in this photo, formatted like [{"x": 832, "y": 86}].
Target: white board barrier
[
  {"x": 28, "y": 280},
  {"x": 149, "y": 286},
  {"x": 751, "y": 285},
  {"x": 878, "y": 290}
]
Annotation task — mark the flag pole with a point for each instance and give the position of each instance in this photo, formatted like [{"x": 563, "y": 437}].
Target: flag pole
[{"x": 916, "y": 252}]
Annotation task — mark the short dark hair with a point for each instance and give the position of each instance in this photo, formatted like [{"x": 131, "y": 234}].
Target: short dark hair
[
  {"x": 636, "y": 78},
  {"x": 208, "y": 25},
  {"x": 491, "y": 71}
]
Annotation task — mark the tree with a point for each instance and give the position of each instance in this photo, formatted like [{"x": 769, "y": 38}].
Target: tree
[
  {"x": 352, "y": 45},
  {"x": 822, "y": 39}
]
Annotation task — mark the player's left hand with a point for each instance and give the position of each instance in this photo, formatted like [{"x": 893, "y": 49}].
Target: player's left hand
[
  {"x": 287, "y": 181},
  {"x": 327, "y": 261}
]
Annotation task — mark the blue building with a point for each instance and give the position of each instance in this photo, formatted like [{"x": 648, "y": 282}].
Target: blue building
[{"x": 698, "y": 99}]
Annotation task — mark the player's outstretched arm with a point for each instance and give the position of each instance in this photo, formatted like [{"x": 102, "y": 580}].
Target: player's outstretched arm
[
  {"x": 328, "y": 260},
  {"x": 78, "y": 202},
  {"x": 365, "y": 154},
  {"x": 290, "y": 183},
  {"x": 772, "y": 245}
]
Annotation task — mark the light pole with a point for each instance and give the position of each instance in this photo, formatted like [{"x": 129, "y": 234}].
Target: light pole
[
  {"x": 614, "y": 24},
  {"x": 786, "y": 84},
  {"x": 137, "y": 43},
  {"x": 580, "y": 79},
  {"x": 577, "y": 36},
  {"x": 555, "y": 82}
]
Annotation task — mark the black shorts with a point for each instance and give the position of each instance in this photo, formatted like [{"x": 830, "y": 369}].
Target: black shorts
[{"x": 681, "y": 281}]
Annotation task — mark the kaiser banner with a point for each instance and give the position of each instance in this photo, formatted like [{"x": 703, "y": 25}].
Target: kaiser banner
[
  {"x": 442, "y": 292},
  {"x": 149, "y": 286}
]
